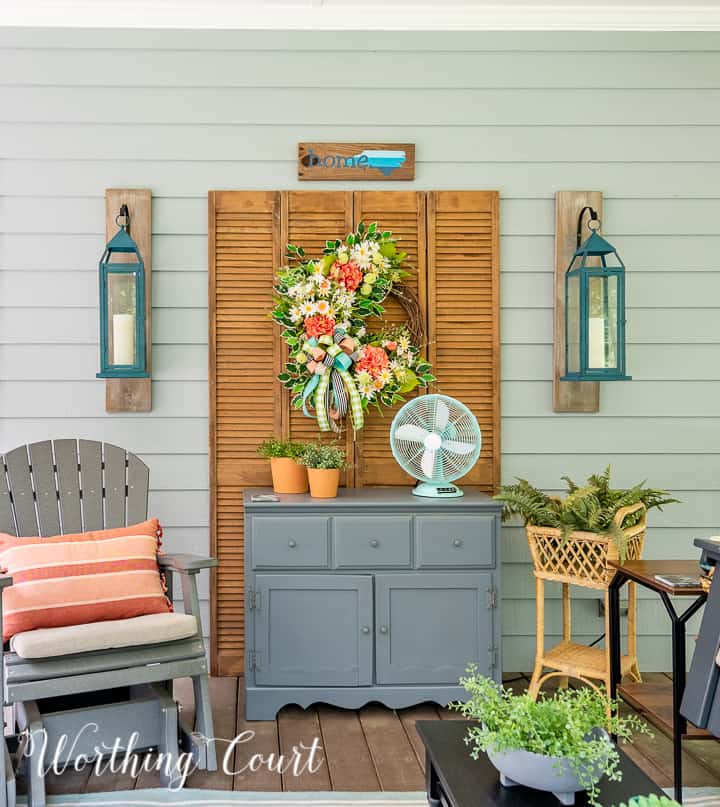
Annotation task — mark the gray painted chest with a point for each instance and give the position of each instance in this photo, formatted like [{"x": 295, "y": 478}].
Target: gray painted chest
[{"x": 376, "y": 595}]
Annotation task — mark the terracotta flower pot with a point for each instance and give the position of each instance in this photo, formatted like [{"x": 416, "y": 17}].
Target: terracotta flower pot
[
  {"x": 288, "y": 476},
  {"x": 323, "y": 482}
]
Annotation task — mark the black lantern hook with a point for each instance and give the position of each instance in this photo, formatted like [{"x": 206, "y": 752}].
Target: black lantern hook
[
  {"x": 123, "y": 214},
  {"x": 594, "y": 220}
]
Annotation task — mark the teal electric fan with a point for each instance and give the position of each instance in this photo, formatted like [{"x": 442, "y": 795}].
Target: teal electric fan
[{"x": 436, "y": 439}]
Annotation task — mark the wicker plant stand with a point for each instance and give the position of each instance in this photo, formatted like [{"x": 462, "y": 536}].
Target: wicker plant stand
[{"x": 582, "y": 560}]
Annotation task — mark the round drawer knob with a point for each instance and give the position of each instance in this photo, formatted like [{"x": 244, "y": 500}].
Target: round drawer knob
[
  {"x": 292, "y": 543},
  {"x": 365, "y": 629},
  {"x": 374, "y": 543},
  {"x": 457, "y": 542},
  {"x": 383, "y": 629}
]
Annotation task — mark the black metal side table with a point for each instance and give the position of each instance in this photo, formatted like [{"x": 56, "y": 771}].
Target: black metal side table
[{"x": 660, "y": 704}]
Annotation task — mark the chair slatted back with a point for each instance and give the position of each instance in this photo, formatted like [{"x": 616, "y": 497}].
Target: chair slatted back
[{"x": 58, "y": 487}]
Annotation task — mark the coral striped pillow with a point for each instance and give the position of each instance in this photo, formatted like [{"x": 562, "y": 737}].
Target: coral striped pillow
[{"x": 85, "y": 577}]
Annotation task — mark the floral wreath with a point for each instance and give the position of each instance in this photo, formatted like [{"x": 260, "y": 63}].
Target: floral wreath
[{"x": 335, "y": 365}]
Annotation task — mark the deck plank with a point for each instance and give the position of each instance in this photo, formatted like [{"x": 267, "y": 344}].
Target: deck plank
[
  {"x": 395, "y": 761},
  {"x": 349, "y": 761},
  {"x": 264, "y": 741},
  {"x": 298, "y": 729},
  {"x": 408, "y": 717}
]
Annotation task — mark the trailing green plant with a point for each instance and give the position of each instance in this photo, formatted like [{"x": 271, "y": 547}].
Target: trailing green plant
[
  {"x": 588, "y": 508},
  {"x": 559, "y": 725},
  {"x": 327, "y": 456},
  {"x": 650, "y": 801},
  {"x": 274, "y": 448}
]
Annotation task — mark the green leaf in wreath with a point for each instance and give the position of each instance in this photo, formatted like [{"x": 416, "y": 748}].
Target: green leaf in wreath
[
  {"x": 388, "y": 249},
  {"x": 410, "y": 381}
]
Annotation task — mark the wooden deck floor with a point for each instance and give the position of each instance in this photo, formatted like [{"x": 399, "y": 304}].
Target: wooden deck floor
[{"x": 369, "y": 750}]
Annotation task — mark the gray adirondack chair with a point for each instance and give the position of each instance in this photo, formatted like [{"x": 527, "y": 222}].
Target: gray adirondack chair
[{"x": 67, "y": 486}]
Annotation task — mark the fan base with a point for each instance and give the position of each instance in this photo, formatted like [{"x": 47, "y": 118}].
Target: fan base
[{"x": 433, "y": 491}]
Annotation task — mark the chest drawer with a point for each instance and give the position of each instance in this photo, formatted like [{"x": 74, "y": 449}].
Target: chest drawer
[
  {"x": 297, "y": 542},
  {"x": 445, "y": 541},
  {"x": 371, "y": 541}
]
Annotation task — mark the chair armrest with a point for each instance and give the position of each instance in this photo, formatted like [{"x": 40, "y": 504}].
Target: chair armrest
[
  {"x": 187, "y": 564},
  {"x": 5, "y": 581}
]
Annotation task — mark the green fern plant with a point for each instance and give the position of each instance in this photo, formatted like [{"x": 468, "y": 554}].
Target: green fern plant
[
  {"x": 650, "y": 801},
  {"x": 587, "y": 508}
]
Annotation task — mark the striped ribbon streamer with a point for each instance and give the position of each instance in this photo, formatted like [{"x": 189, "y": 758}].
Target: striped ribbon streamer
[{"x": 337, "y": 382}]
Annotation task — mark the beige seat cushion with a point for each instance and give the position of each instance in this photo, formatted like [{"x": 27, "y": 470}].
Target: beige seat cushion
[{"x": 139, "y": 630}]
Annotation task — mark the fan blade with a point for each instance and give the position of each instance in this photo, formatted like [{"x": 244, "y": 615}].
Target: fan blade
[
  {"x": 457, "y": 447},
  {"x": 427, "y": 463},
  {"x": 442, "y": 415},
  {"x": 409, "y": 431}
]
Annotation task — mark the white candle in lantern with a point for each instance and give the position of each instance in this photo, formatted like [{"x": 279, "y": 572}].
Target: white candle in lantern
[
  {"x": 596, "y": 342},
  {"x": 123, "y": 339}
]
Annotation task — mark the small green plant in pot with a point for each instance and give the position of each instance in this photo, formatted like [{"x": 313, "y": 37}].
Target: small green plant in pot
[
  {"x": 324, "y": 462},
  {"x": 288, "y": 474},
  {"x": 558, "y": 743}
]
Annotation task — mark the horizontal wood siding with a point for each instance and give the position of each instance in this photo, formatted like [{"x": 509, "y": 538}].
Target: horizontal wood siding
[{"x": 633, "y": 115}]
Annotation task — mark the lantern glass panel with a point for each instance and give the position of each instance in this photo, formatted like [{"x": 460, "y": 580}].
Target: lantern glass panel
[
  {"x": 602, "y": 322},
  {"x": 122, "y": 315},
  {"x": 572, "y": 315}
]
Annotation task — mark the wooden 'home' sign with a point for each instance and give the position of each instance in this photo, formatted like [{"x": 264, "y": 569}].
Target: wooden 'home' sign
[{"x": 359, "y": 161}]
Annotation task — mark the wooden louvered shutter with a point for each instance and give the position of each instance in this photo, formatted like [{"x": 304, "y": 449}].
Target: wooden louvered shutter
[
  {"x": 245, "y": 399},
  {"x": 309, "y": 219},
  {"x": 464, "y": 313},
  {"x": 403, "y": 212},
  {"x": 452, "y": 241}
]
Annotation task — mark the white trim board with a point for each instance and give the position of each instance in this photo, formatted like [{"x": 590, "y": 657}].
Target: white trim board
[{"x": 373, "y": 15}]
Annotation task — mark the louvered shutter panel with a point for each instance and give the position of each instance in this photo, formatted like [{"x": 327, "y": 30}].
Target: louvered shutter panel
[
  {"x": 464, "y": 313},
  {"x": 403, "y": 212},
  {"x": 452, "y": 241},
  {"x": 245, "y": 399},
  {"x": 310, "y": 218}
]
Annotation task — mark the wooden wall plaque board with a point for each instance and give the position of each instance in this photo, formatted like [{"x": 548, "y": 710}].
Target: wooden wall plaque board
[
  {"x": 133, "y": 394},
  {"x": 356, "y": 161},
  {"x": 452, "y": 242}
]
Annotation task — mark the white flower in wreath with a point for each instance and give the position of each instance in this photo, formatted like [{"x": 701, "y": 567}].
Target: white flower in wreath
[
  {"x": 307, "y": 308},
  {"x": 361, "y": 331},
  {"x": 324, "y": 286},
  {"x": 385, "y": 376},
  {"x": 322, "y": 307},
  {"x": 374, "y": 247},
  {"x": 344, "y": 299},
  {"x": 368, "y": 393},
  {"x": 362, "y": 255},
  {"x": 295, "y": 291},
  {"x": 295, "y": 313},
  {"x": 403, "y": 344},
  {"x": 345, "y": 325}
]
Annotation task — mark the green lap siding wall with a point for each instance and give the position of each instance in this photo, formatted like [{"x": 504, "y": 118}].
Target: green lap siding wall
[{"x": 636, "y": 116}]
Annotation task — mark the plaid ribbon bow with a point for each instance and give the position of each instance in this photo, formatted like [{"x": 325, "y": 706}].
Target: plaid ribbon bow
[{"x": 332, "y": 386}]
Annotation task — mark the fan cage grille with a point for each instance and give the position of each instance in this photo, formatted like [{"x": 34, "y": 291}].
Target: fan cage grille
[{"x": 462, "y": 427}]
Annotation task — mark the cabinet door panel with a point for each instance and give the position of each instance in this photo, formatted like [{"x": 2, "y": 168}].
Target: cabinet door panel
[
  {"x": 429, "y": 627},
  {"x": 313, "y": 630}
]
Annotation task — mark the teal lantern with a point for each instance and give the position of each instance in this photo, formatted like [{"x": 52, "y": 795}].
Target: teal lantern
[
  {"x": 594, "y": 309},
  {"x": 122, "y": 306}
]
